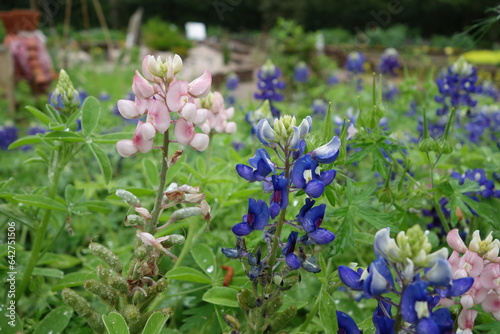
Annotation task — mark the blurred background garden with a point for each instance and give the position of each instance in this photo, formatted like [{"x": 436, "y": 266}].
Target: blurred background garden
[{"x": 409, "y": 91}]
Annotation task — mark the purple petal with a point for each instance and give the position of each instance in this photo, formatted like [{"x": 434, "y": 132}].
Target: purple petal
[
  {"x": 427, "y": 326},
  {"x": 298, "y": 171},
  {"x": 292, "y": 261},
  {"x": 460, "y": 286},
  {"x": 327, "y": 153},
  {"x": 322, "y": 236},
  {"x": 245, "y": 172},
  {"x": 274, "y": 210},
  {"x": 346, "y": 324},
  {"x": 315, "y": 188},
  {"x": 328, "y": 176},
  {"x": 350, "y": 278},
  {"x": 312, "y": 218},
  {"x": 261, "y": 212},
  {"x": 242, "y": 229}
]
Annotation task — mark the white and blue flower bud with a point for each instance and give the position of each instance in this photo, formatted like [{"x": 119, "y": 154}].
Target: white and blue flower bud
[
  {"x": 408, "y": 271},
  {"x": 295, "y": 140},
  {"x": 440, "y": 274},
  {"x": 265, "y": 134},
  {"x": 386, "y": 246},
  {"x": 327, "y": 153},
  {"x": 305, "y": 126}
]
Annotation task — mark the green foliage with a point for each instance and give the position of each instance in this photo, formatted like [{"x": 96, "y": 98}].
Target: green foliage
[{"x": 161, "y": 35}]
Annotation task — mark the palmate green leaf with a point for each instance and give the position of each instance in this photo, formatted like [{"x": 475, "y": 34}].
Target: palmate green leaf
[
  {"x": 55, "y": 322},
  {"x": 155, "y": 323},
  {"x": 196, "y": 317},
  {"x": 103, "y": 161},
  {"x": 205, "y": 258},
  {"x": 73, "y": 118},
  {"x": 328, "y": 312},
  {"x": 223, "y": 296},
  {"x": 26, "y": 140},
  {"x": 48, "y": 272},
  {"x": 40, "y": 115},
  {"x": 40, "y": 201},
  {"x": 91, "y": 112},
  {"x": 54, "y": 114},
  {"x": 60, "y": 261},
  {"x": 115, "y": 324},
  {"x": 189, "y": 275},
  {"x": 65, "y": 136}
]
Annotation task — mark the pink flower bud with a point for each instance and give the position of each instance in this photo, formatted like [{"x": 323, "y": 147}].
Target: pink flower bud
[
  {"x": 200, "y": 86},
  {"x": 184, "y": 131},
  {"x": 201, "y": 117},
  {"x": 126, "y": 148},
  {"x": 188, "y": 112},
  {"x": 229, "y": 112},
  {"x": 141, "y": 87},
  {"x": 177, "y": 95},
  {"x": 128, "y": 109},
  {"x": 466, "y": 319},
  {"x": 455, "y": 242},
  {"x": 199, "y": 142},
  {"x": 143, "y": 137},
  {"x": 491, "y": 303},
  {"x": 159, "y": 116},
  {"x": 145, "y": 70},
  {"x": 467, "y": 301},
  {"x": 231, "y": 127}
]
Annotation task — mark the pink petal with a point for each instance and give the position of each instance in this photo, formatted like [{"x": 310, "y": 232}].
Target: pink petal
[
  {"x": 466, "y": 319},
  {"x": 475, "y": 262},
  {"x": 143, "y": 137},
  {"x": 201, "y": 117},
  {"x": 141, "y": 105},
  {"x": 491, "y": 303},
  {"x": 467, "y": 301},
  {"x": 177, "y": 95},
  {"x": 159, "y": 116},
  {"x": 199, "y": 142},
  {"x": 188, "y": 112},
  {"x": 231, "y": 127},
  {"x": 200, "y": 87},
  {"x": 454, "y": 261},
  {"x": 229, "y": 113},
  {"x": 490, "y": 277},
  {"x": 455, "y": 242},
  {"x": 128, "y": 109},
  {"x": 126, "y": 148},
  {"x": 141, "y": 87},
  {"x": 184, "y": 131}
]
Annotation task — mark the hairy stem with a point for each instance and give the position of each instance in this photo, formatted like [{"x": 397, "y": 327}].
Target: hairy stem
[{"x": 151, "y": 226}]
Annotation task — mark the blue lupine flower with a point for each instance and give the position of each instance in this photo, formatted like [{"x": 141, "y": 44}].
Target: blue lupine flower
[
  {"x": 389, "y": 62},
  {"x": 104, "y": 96},
  {"x": 440, "y": 274},
  {"x": 232, "y": 81},
  {"x": 351, "y": 278},
  {"x": 268, "y": 85},
  {"x": 301, "y": 72},
  {"x": 279, "y": 198},
  {"x": 489, "y": 89},
  {"x": 291, "y": 259},
  {"x": 8, "y": 135},
  {"x": 311, "y": 218},
  {"x": 354, "y": 63},
  {"x": 332, "y": 80},
  {"x": 379, "y": 278},
  {"x": 256, "y": 218},
  {"x": 383, "y": 323},
  {"x": 262, "y": 166},
  {"x": 346, "y": 324},
  {"x": 478, "y": 175},
  {"x": 390, "y": 91},
  {"x": 305, "y": 175},
  {"x": 319, "y": 107},
  {"x": 457, "y": 287},
  {"x": 457, "y": 86}
]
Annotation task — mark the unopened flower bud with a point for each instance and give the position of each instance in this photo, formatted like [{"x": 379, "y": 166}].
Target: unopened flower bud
[
  {"x": 131, "y": 314},
  {"x": 161, "y": 285},
  {"x": 134, "y": 220},
  {"x": 231, "y": 321},
  {"x": 107, "y": 256},
  {"x": 246, "y": 300},
  {"x": 173, "y": 239},
  {"x": 185, "y": 213},
  {"x": 84, "y": 309},
  {"x": 103, "y": 273},
  {"x": 128, "y": 197},
  {"x": 119, "y": 283},
  {"x": 106, "y": 293},
  {"x": 445, "y": 147},
  {"x": 426, "y": 145}
]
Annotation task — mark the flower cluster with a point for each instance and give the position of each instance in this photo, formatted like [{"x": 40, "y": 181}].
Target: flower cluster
[
  {"x": 483, "y": 125},
  {"x": 217, "y": 114},
  {"x": 232, "y": 83},
  {"x": 269, "y": 84},
  {"x": 478, "y": 175},
  {"x": 300, "y": 172},
  {"x": 488, "y": 88},
  {"x": 301, "y": 72},
  {"x": 480, "y": 261},
  {"x": 407, "y": 268},
  {"x": 355, "y": 62},
  {"x": 457, "y": 86},
  {"x": 8, "y": 135},
  {"x": 159, "y": 94},
  {"x": 389, "y": 62}
]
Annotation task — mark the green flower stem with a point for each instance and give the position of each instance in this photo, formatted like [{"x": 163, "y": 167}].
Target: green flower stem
[
  {"x": 435, "y": 199},
  {"x": 151, "y": 226},
  {"x": 55, "y": 170},
  {"x": 193, "y": 234},
  {"x": 209, "y": 152}
]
